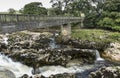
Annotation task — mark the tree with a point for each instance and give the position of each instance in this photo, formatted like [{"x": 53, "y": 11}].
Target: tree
[
  {"x": 78, "y": 6},
  {"x": 51, "y": 12},
  {"x": 21, "y": 11},
  {"x": 96, "y": 11},
  {"x": 57, "y": 5},
  {"x": 91, "y": 8},
  {"x": 112, "y": 5},
  {"x": 11, "y": 11},
  {"x": 60, "y": 6},
  {"x": 111, "y": 15},
  {"x": 34, "y": 8}
]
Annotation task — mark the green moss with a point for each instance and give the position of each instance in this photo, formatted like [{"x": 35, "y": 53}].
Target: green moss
[{"x": 96, "y": 35}]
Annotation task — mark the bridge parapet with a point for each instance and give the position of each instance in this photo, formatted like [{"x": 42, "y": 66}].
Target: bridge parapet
[
  {"x": 18, "y": 22},
  {"x": 12, "y": 18}
]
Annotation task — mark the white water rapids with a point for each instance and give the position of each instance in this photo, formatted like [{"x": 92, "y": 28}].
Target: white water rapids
[{"x": 19, "y": 69}]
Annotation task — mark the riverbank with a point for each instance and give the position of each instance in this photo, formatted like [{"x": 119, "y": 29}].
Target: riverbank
[
  {"x": 107, "y": 40},
  {"x": 96, "y": 35}
]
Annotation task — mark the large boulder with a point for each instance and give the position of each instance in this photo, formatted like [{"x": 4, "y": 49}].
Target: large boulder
[
  {"x": 28, "y": 40},
  {"x": 53, "y": 56},
  {"x": 112, "y": 53},
  {"x": 4, "y": 73},
  {"x": 84, "y": 44}
]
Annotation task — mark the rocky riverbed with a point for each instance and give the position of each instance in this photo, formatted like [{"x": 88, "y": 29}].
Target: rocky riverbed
[
  {"x": 41, "y": 49},
  {"x": 106, "y": 72}
]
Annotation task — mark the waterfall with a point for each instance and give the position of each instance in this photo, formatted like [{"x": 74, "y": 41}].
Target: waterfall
[
  {"x": 99, "y": 61},
  {"x": 98, "y": 58},
  {"x": 52, "y": 43},
  {"x": 17, "y": 68}
]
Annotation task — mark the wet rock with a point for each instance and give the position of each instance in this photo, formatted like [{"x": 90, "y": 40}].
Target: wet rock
[
  {"x": 106, "y": 72},
  {"x": 112, "y": 53},
  {"x": 25, "y": 76},
  {"x": 3, "y": 47},
  {"x": 28, "y": 40},
  {"x": 53, "y": 56},
  {"x": 64, "y": 75},
  {"x": 4, "y": 73},
  {"x": 84, "y": 44}
]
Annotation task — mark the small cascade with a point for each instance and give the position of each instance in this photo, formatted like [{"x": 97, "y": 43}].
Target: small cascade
[
  {"x": 99, "y": 60},
  {"x": 5, "y": 39},
  {"x": 53, "y": 42},
  {"x": 17, "y": 68}
]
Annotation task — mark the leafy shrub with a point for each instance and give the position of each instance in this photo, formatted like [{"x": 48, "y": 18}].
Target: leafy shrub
[{"x": 107, "y": 22}]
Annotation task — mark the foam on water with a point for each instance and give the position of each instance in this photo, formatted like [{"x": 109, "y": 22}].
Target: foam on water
[
  {"x": 19, "y": 69},
  {"x": 52, "y": 70}
]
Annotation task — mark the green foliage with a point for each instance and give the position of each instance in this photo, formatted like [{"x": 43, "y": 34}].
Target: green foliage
[
  {"x": 11, "y": 11},
  {"x": 107, "y": 22},
  {"x": 34, "y": 8},
  {"x": 91, "y": 11},
  {"x": 117, "y": 28},
  {"x": 78, "y": 6},
  {"x": 51, "y": 12},
  {"x": 57, "y": 6},
  {"x": 112, "y": 5},
  {"x": 111, "y": 15},
  {"x": 60, "y": 6},
  {"x": 96, "y": 35}
]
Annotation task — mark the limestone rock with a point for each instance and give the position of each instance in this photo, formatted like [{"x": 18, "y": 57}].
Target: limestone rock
[
  {"x": 108, "y": 72},
  {"x": 84, "y": 44},
  {"x": 112, "y": 53},
  {"x": 53, "y": 56},
  {"x": 64, "y": 75}
]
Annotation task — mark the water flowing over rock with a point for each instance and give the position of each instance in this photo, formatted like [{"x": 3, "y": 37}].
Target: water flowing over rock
[
  {"x": 17, "y": 68},
  {"x": 98, "y": 58},
  {"x": 23, "y": 71},
  {"x": 112, "y": 53}
]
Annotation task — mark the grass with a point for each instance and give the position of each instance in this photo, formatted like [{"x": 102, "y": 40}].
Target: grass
[{"x": 96, "y": 35}]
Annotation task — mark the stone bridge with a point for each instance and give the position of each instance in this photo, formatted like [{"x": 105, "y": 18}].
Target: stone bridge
[{"x": 18, "y": 22}]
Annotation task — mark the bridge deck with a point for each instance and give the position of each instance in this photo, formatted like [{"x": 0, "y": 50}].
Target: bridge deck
[{"x": 19, "y": 22}]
